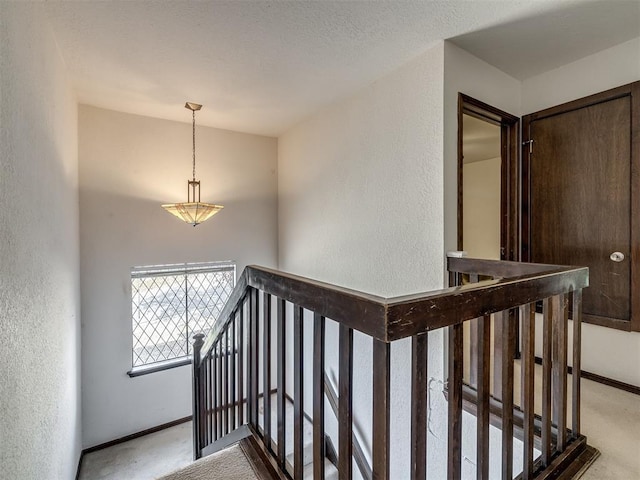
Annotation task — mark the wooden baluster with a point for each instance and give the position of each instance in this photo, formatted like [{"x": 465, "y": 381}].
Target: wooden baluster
[
  {"x": 234, "y": 350},
  {"x": 483, "y": 355},
  {"x": 214, "y": 393},
  {"x": 208, "y": 400},
  {"x": 255, "y": 355},
  {"x": 220, "y": 389},
  {"x": 318, "y": 397},
  {"x": 266, "y": 366},
  {"x": 250, "y": 339},
  {"x": 345, "y": 402},
  {"x": 197, "y": 346},
  {"x": 508, "y": 351},
  {"x": 298, "y": 398},
  {"x": 497, "y": 357},
  {"x": 527, "y": 313},
  {"x": 559, "y": 369},
  {"x": 473, "y": 344},
  {"x": 241, "y": 355},
  {"x": 419, "y": 355},
  {"x": 547, "y": 321},
  {"x": 381, "y": 408},
  {"x": 455, "y": 279},
  {"x": 226, "y": 382},
  {"x": 203, "y": 406},
  {"x": 280, "y": 380},
  {"x": 454, "y": 446},
  {"x": 576, "y": 298}
]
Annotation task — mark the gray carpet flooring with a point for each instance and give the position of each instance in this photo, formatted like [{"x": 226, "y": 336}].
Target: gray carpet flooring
[{"x": 230, "y": 464}]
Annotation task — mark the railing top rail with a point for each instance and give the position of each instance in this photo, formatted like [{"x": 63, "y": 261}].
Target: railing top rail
[{"x": 390, "y": 319}]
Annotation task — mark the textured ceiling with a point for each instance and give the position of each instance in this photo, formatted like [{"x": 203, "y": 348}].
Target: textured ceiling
[{"x": 262, "y": 66}]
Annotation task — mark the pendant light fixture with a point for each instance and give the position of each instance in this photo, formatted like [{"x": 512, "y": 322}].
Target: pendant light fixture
[{"x": 193, "y": 211}]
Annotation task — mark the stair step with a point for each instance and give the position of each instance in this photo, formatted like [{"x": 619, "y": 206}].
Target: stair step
[
  {"x": 307, "y": 431},
  {"x": 330, "y": 471}
]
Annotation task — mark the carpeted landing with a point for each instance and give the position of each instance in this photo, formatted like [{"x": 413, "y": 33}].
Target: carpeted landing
[{"x": 229, "y": 464}]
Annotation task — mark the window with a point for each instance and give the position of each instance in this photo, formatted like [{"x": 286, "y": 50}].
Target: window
[{"x": 171, "y": 303}]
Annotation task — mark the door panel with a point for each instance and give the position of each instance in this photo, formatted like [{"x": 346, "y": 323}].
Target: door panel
[{"x": 580, "y": 199}]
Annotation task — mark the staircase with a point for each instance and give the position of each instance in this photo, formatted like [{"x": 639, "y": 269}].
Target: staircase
[{"x": 260, "y": 379}]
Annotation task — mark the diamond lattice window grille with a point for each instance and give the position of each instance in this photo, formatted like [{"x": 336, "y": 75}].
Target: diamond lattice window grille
[{"x": 170, "y": 303}]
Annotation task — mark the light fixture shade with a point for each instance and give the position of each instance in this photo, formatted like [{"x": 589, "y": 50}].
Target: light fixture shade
[{"x": 192, "y": 212}]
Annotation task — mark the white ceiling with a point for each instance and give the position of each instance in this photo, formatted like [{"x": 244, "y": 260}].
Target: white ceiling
[
  {"x": 529, "y": 46},
  {"x": 263, "y": 66}
]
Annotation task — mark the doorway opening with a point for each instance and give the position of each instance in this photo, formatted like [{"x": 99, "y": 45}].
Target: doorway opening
[{"x": 488, "y": 199}]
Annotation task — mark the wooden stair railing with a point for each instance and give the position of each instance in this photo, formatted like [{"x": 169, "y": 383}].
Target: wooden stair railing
[{"x": 233, "y": 371}]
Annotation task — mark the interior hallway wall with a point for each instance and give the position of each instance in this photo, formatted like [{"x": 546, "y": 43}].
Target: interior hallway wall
[
  {"x": 360, "y": 205},
  {"x": 468, "y": 74},
  {"x": 129, "y": 166},
  {"x": 39, "y": 261}
]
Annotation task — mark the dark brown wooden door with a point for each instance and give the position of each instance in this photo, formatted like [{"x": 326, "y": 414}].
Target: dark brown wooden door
[{"x": 579, "y": 204}]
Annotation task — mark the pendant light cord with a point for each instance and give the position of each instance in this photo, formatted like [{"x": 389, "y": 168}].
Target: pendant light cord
[{"x": 194, "y": 144}]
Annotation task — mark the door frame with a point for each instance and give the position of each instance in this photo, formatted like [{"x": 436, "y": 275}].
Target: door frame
[
  {"x": 633, "y": 91},
  {"x": 509, "y": 183}
]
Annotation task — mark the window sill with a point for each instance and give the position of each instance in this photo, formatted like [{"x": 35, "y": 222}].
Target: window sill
[{"x": 159, "y": 366}]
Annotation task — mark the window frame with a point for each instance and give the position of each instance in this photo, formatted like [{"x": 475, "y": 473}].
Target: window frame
[{"x": 185, "y": 269}]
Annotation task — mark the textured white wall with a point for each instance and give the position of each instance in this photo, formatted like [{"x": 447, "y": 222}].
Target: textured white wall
[
  {"x": 605, "y": 351},
  {"x": 360, "y": 205},
  {"x": 39, "y": 277},
  {"x": 129, "y": 165},
  {"x": 465, "y": 73}
]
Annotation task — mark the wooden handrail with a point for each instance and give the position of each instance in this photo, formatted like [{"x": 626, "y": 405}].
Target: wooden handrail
[
  {"x": 390, "y": 319},
  {"x": 491, "y": 297}
]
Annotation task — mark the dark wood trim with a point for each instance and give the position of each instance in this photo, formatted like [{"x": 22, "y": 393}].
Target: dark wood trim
[
  {"x": 509, "y": 135},
  {"x": 319, "y": 444},
  {"x": 562, "y": 461},
  {"x": 135, "y": 435},
  {"x": 281, "y": 361},
  {"x": 266, "y": 368},
  {"x": 580, "y": 463},
  {"x": 390, "y": 319},
  {"x": 508, "y": 350},
  {"x": 454, "y": 434},
  {"x": 588, "y": 101},
  {"x": 576, "y": 317},
  {"x": 382, "y": 410},
  {"x": 345, "y": 402},
  {"x": 298, "y": 392},
  {"x": 547, "y": 321},
  {"x": 633, "y": 92},
  {"x": 419, "y": 408},
  {"x": 265, "y": 465},
  {"x": 594, "y": 377},
  {"x": 483, "y": 376},
  {"x": 634, "y": 324},
  {"x": 416, "y": 314},
  {"x": 528, "y": 390}
]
